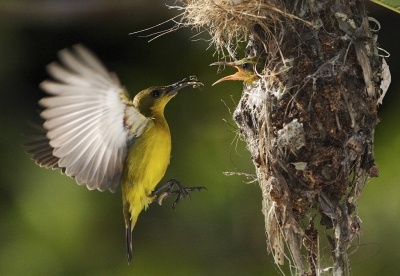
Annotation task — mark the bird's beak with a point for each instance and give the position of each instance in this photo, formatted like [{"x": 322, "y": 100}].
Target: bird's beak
[
  {"x": 240, "y": 75},
  {"x": 191, "y": 81}
]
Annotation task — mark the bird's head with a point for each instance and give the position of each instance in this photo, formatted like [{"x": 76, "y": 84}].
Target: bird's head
[
  {"x": 152, "y": 100},
  {"x": 247, "y": 68}
]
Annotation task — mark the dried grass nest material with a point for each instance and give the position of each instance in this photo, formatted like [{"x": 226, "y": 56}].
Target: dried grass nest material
[{"x": 230, "y": 22}]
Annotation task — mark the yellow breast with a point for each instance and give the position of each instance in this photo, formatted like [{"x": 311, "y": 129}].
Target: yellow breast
[{"x": 145, "y": 166}]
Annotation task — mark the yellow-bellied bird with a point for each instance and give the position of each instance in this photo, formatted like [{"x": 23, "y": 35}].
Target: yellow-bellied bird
[
  {"x": 99, "y": 136},
  {"x": 247, "y": 69}
]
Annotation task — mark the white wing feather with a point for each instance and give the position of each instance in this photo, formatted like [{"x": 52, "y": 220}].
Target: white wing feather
[{"x": 85, "y": 119}]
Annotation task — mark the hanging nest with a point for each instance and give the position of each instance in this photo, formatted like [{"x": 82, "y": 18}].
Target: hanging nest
[{"x": 308, "y": 119}]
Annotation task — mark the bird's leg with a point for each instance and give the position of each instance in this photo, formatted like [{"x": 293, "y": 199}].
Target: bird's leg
[{"x": 181, "y": 191}]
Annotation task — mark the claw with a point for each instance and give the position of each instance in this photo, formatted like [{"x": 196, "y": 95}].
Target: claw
[{"x": 181, "y": 191}]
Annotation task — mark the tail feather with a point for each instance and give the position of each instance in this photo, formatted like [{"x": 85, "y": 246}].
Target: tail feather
[
  {"x": 130, "y": 221},
  {"x": 133, "y": 203},
  {"x": 129, "y": 241}
]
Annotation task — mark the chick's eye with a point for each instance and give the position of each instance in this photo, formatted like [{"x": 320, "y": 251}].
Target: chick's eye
[
  {"x": 246, "y": 66},
  {"x": 155, "y": 93}
]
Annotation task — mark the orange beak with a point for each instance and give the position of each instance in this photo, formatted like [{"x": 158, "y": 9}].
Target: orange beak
[{"x": 240, "y": 75}]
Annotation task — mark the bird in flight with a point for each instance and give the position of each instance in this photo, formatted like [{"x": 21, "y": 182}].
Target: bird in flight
[{"x": 95, "y": 133}]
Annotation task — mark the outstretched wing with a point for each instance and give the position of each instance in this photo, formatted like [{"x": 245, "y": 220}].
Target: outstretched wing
[{"x": 86, "y": 133}]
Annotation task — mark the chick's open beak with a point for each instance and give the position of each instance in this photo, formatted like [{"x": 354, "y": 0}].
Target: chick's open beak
[
  {"x": 173, "y": 88},
  {"x": 240, "y": 75}
]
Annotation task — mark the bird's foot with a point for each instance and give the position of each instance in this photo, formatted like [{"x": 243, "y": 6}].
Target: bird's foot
[{"x": 181, "y": 191}]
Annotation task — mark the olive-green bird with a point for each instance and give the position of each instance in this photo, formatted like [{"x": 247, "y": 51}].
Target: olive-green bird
[
  {"x": 99, "y": 136},
  {"x": 247, "y": 69}
]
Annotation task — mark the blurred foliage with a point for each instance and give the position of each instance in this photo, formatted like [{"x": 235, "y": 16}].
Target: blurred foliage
[{"x": 51, "y": 226}]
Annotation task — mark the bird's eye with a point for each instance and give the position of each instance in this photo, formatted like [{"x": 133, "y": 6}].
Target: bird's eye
[
  {"x": 155, "y": 93},
  {"x": 246, "y": 66}
]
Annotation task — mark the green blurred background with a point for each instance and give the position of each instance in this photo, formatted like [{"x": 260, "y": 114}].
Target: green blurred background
[{"x": 51, "y": 226}]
